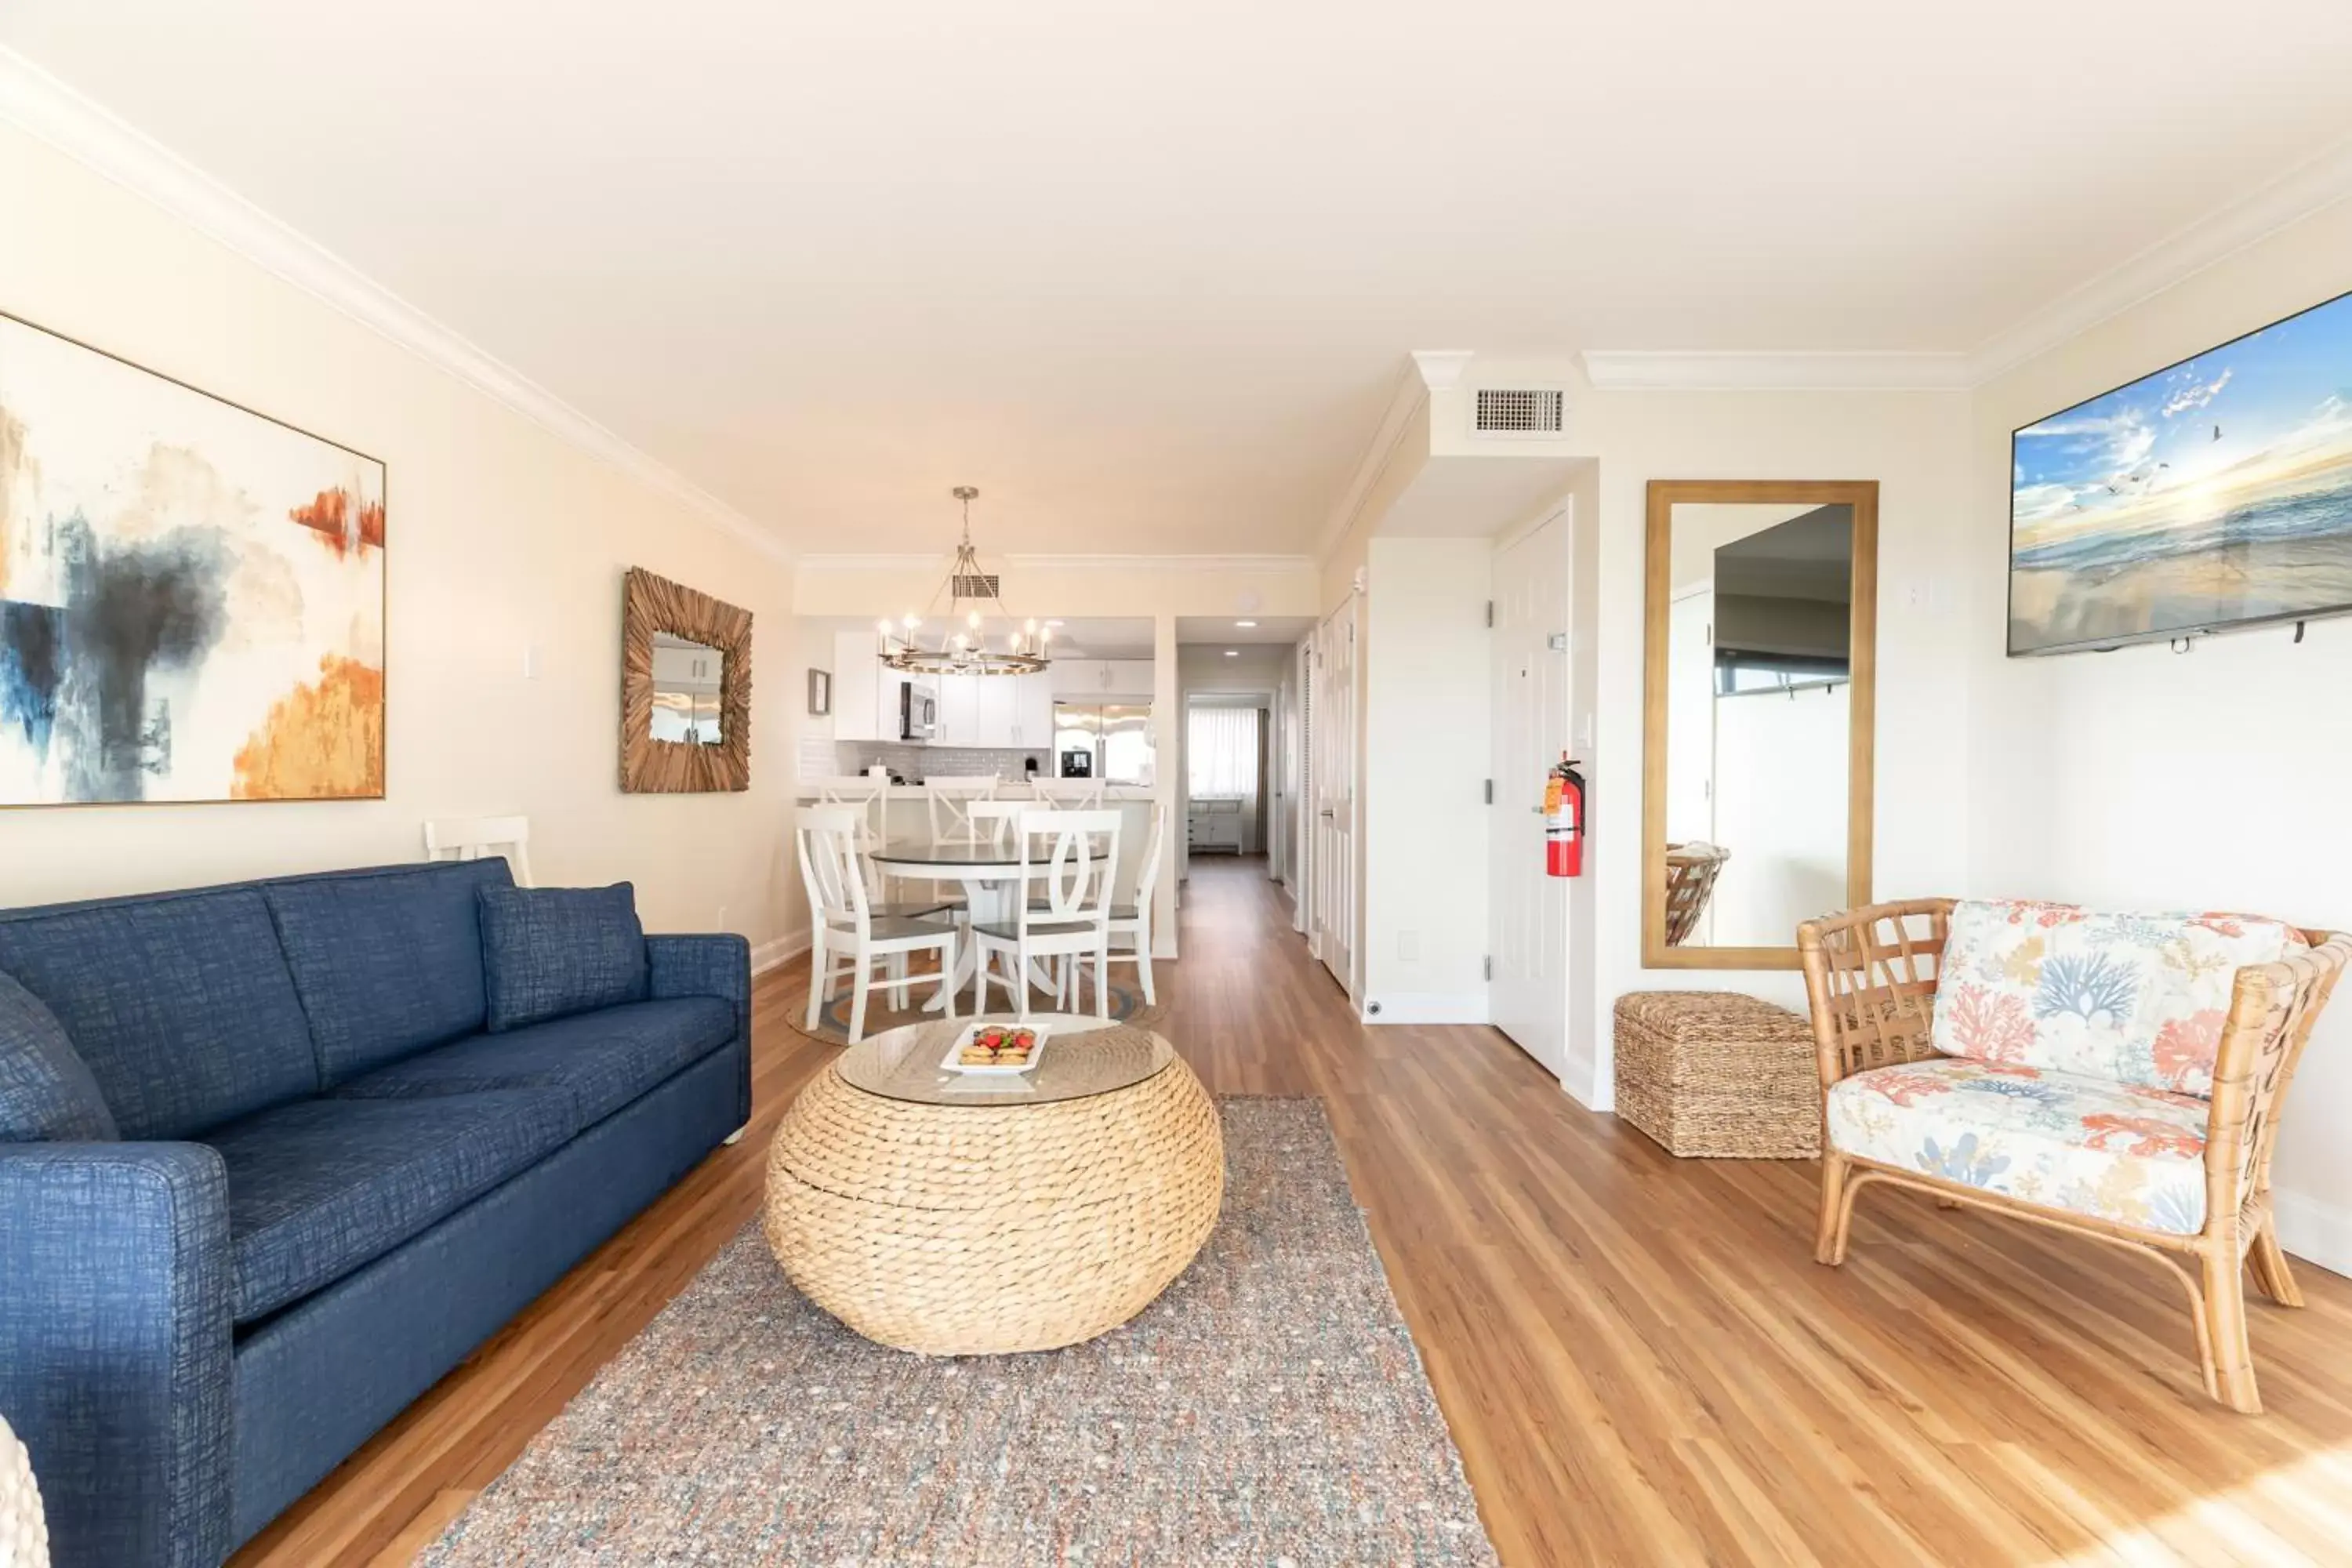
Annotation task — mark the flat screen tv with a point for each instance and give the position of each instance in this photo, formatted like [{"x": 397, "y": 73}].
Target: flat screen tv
[{"x": 2214, "y": 493}]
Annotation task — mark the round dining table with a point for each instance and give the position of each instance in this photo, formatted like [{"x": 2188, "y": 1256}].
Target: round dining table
[{"x": 992, "y": 878}]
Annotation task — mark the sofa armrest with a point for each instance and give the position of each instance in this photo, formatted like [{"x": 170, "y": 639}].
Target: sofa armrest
[
  {"x": 115, "y": 1346},
  {"x": 717, "y": 966},
  {"x": 2273, "y": 1008}
]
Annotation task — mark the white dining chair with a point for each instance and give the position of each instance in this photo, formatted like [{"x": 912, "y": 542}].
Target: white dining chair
[
  {"x": 868, "y": 795},
  {"x": 1070, "y": 794},
  {"x": 1132, "y": 922},
  {"x": 949, "y": 796},
  {"x": 994, "y": 822},
  {"x": 479, "y": 838},
  {"x": 1067, "y": 859},
  {"x": 842, "y": 921}
]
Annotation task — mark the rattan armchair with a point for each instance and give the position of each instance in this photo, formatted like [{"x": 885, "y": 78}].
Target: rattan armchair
[{"x": 1871, "y": 974}]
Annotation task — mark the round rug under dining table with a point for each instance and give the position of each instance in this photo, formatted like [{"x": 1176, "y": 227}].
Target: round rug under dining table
[{"x": 956, "y": 1215}]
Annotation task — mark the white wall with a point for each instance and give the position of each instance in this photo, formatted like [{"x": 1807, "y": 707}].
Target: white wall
[
  {"x": 1916, "y": 445},
  {"x": 500, "y": 538},
  {"x": 2210, "y": 780},
  {"x": 1427, "y": 756}
]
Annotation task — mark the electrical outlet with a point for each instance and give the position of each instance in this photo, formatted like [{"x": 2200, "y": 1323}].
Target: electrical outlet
[
  {"x": 722, "y": 918},
  {"x": 531, "y": 661}
]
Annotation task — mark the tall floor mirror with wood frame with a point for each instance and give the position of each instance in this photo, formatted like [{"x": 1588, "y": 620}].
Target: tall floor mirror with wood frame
[{"x": 1758, "y": 715}]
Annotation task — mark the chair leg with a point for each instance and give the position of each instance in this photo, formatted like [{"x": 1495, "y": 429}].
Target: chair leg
[
  {"x": 1020, "y": 983},
  {"x": 1102, "y": 981},
  {"x": 820, "y": 982},
  {"x": 2225, "y": 1321},
  {"x": 898, "y": 972},
  {"x": 2270, "y": 1268},
  {"x": 946, "y": 975},
  {"x": 1837, "y": 1210},
  {"x": 978, "y": 978},
  {"x": 1143, "y": 958},
  {"x": 864, "y": 981}
]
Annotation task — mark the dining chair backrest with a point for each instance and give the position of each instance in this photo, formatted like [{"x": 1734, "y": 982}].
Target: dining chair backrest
[
  {"x": 475, "y": 837},
  {"x": 994, "y": 822},
  {"x": 1148, "y": 874},
  {"x": 951, "y": 796},
  {"x": 831, "y": 868},
  {"x": 865, "y": 792},
  {"x": 1070, "y": 794},
  {"x": 1068, "y": 861}
]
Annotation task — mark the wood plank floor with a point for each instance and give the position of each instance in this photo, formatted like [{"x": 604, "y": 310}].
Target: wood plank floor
[{"x": 1638, "y": 1356}]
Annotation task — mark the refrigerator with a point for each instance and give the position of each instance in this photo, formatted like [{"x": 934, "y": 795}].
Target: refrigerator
[{"x": 1106, "y": 741}]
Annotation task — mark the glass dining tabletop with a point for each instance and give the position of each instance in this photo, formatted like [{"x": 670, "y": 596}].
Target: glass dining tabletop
[{"x": 924, "y": 850}]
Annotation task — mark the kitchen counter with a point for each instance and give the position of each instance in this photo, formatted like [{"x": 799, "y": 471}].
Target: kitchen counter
[{"x": 1112, "y": 793}]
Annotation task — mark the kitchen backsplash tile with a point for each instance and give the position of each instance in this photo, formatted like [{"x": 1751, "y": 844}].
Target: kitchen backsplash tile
[{"x": 917, "y": 761}]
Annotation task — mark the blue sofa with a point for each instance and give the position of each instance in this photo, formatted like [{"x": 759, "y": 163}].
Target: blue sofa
[{"x": 331, "y": 1184}]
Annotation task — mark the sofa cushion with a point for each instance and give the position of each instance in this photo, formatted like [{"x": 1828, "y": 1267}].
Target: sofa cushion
[
  {"x": 47, "y": 1093},
  {"x": 181, "y": 1004},
  {"x": 550, "y": 952},
  {"x": 602, "y": 1060},
  {"x": 387, "y": 962},
  {"x": 2117, "y": 1152},
  {"x": 318, "y": 1188},
  {"x": 2138, "y": 999}
]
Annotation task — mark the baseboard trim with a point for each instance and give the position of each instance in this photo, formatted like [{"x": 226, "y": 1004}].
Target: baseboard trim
[
  {"x": 767, "y": 955},
  {"x": 1426, "y": 1008},
  {"x": 2315, "y": 1232}
]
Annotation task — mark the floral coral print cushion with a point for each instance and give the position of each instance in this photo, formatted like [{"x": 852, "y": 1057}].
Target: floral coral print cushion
[
  {"x": 2134, "y": 999},
  {"x": 2117, "y": 1152}
]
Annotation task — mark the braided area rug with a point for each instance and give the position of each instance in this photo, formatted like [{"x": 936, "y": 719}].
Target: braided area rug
[{"x": 1269, "y": 1409}]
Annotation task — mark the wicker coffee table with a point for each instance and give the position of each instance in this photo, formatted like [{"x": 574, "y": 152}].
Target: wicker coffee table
[{"x": 953, "y": 1214}]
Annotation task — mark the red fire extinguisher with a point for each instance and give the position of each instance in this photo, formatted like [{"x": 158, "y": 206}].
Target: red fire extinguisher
[{"x": 1564, "y": 823}]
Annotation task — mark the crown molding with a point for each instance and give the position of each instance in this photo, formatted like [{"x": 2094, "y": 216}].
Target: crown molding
[
  {"x": 1407, "y": 398},
  {"x": 1094, "y": 563},
  {"x": 48, "y": 110},
  {"x": 2308, "y": 187},
  {"x": 1677, "y": 370}
]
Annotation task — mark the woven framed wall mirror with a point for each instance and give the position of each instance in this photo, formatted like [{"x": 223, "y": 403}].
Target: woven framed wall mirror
[
  {"x": 1759, "y": 715},
  {"x": 685, "y": 690}
]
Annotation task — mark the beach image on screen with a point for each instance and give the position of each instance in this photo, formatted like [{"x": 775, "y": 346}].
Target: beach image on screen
[{"x": 2218, "y": 491}]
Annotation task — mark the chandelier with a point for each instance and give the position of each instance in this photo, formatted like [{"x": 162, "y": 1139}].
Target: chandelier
[{"x": 961, "y": 645}]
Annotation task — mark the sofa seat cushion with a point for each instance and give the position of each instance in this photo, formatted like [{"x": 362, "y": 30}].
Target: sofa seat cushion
[
  {"x": 599, "y": 1060},
  {"x": 2132, "y": 999},
  {"x": 2116, "y": 1151},
  {"x": 320, "y": 1188}
]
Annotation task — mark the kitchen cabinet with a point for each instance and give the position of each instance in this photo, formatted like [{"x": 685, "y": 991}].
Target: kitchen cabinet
[
  {"x": 1102, "y": 679},
  {"x": 996, "y": 712},
  {"x": 864, "y": 690}
]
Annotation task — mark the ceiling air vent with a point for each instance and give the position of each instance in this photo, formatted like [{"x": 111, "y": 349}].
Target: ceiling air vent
[
  {"x": 966, "y": 586},
  {"x": 1537, "y": 411}
]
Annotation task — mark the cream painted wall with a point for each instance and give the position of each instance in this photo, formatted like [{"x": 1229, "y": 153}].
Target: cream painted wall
[
  {"x": 1426, "y": 758},
  {"x": 501, "y": 538},
  {"x": 2143, "y": 779},
  {"x": 1916, "y": 445}
]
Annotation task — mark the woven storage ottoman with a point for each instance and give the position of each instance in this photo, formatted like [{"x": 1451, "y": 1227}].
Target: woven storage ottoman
[{"x": 1718, "y": 1075}]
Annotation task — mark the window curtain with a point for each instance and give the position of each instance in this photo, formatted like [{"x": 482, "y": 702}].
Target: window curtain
[{"x": 1222, "y": 755}]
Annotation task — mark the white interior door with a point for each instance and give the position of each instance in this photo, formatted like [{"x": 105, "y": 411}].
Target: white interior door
[
  {"x": 1528, "y": 918},
  {"x": 1302, "y": 838},
  {"x": 1335, "y": 794}
]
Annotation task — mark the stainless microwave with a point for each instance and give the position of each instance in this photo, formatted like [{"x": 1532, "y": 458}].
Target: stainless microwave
[{"x": 919, "y": 712}]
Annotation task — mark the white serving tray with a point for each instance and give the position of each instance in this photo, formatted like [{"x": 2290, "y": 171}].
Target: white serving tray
[{"x": 951, "y": 1062}]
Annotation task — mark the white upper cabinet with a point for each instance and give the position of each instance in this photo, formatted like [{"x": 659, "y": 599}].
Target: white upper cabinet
[
  {"x": 1101, "y": 680},
  {"x": 1033, "y": 710},
  {"x": 864, "y": 693}
]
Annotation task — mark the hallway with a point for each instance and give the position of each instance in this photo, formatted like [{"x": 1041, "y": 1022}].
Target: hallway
[{"x": 1637, "y": 1356}]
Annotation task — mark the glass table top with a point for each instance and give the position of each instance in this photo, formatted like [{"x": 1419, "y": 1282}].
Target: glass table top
[
  {"x": 1082, "y": 1056},
  {"x": 925, "y": 851}
]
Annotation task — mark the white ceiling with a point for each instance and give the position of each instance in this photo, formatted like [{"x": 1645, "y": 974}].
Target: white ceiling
[
  {"x": 1223, "y": 632},
  {"x": 1145, "y": 272}
]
